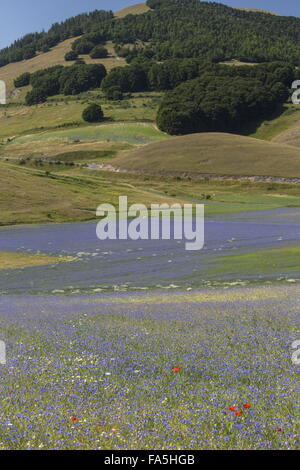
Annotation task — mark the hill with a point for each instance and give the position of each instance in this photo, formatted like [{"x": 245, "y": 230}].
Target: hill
[
  {"x": 214, "y": 154},
  {"x": 175, "y": 28}
]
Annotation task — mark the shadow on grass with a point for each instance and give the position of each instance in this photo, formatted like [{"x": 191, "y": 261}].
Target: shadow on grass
[{"x": 251, "y": 127}]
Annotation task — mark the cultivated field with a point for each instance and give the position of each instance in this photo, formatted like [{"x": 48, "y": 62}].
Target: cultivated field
[{"x": 151, "y": 371}]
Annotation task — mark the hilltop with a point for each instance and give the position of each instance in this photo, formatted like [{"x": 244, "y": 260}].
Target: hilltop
[
  {"x": 257, "y": 10},
  {"x": 137, "y": 9},
  {"x": 175, "y": 28},
  {"x": 213, "y": 154}
]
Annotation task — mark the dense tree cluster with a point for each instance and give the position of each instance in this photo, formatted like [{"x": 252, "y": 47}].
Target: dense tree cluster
[
  {"x": 128, "y": 79},
  {"x": 70, "y": 56},
  {"x": 224, "y": 99},
  {"x": 22, "y": 80},
  {"x": 99, "y": 52},
  {"x": 64, "y": 80},
  {"x": 172, "y": 72},
  {"x": 82, "y": 46},
  {"x": 189, "y": 28},
  {"x": 144, "y": 75},
  {"x": 114, "y": 93}
]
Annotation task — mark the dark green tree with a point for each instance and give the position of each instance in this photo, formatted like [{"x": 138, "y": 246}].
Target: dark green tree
[
  {"x": 99, "y": 52},
  {"x": 93, "y": 113},
  {"x": 114, "y": 93},
  {"x": 71, "y": 55},
  {"x": 35, "y": 96},
  {"x": 22, "y": 80},
  {"x": 82, "y": 46}
]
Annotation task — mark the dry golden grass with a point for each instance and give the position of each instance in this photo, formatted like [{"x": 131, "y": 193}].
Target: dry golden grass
[
  {"x": 31, "y": 196},
  {"x": 41, "y": 61},
  {"x": 53, "y": 147},
  {"x": 133, "y": 10},
  {"x": 290, "y": 135},
  {"x": 50, "y": 59},
  {"x": 238, "y": 63},
  {"x": 257, "y": 10},
  {"x": 214, "y": 153}
]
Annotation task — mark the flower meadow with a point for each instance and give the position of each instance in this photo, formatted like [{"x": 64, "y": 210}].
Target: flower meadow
[{"x": 207, "y": 369}]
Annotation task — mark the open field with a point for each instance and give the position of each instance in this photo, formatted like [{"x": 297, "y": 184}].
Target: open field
[
  {"x": 64, "y": 112},
  {"x": 35, "y": 195},
  {"x": 231, "y": 349},
  {"x": 285, "y": 258},
  {"x": 214, "y": 153},
  {"x": 50, "y": 193}
]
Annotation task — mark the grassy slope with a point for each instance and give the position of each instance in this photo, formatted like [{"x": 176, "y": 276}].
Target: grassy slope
[
  {"x": 287, "y": 128},
  {"x": 278, "y": 129},
  {"x": 18, "y": 120},
  {"x": 215, "y": 153},
  {"x": 132, "y": 10},
  {"x": 49, "y": 59},
  {"x": 30, "y": 195}
]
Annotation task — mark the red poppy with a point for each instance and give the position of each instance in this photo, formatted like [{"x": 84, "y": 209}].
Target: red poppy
[
  {"x": 247, "y": 406},
  {"x": 233, "y": 408},
  {"x": 74, "y": 419},
  {"x": 279, "y": 429},
  {"x": 176, "y": 370},
  {"x": 238, "y": 413}
]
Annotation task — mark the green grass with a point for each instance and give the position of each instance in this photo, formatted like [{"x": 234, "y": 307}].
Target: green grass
[
  {"x": 9, "y": 260},
  {"x": 62, "y": 112},
  {"x": 284, "y": 260},
  {"x": 132, "y": 133},
  {"x": 271, "y": 129},
  {"x": 49, "y": 193}
]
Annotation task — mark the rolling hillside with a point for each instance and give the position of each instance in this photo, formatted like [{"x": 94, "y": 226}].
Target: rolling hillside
[
  {"x": 56, "y": 57},
  {"x": 56, "y": 127},
  {"x": 49, "y": 59},
  {"x": 216, "y": 154}
]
